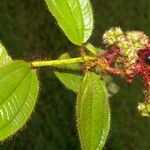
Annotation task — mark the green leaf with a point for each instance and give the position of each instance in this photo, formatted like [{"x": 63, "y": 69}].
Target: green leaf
[
  {"x": 4, "y": 57},
  {"x": 93, "y": 49},
  {"x": 18, "y": 93},
  {"x": 75, "y": 17},
  {"x": 93, "y": 112},
  {"x": 69, "y": 74}
]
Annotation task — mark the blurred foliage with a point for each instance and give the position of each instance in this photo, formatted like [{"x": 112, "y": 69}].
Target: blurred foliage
[{"x": 29, "y": 32}]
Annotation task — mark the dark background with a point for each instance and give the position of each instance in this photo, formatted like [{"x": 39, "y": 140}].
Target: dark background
[{"x": 29, "y": 32}]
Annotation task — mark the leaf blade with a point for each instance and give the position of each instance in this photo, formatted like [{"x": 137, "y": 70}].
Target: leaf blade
[
  {"x": 69, "y": 75},
  {"x": 93, "y": 113},
  {"x": 75, "y": 17},
  {"x": 17, "y": 96},
  {"x": 4, "y": 57}
]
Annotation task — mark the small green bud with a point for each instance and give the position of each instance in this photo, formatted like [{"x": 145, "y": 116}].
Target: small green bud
[
  {"x": 138, "y": 38},
  {"x": 144, "y": 109},
  {"x": 112, "y": 36},
  {"x": 131, "y": 43}
]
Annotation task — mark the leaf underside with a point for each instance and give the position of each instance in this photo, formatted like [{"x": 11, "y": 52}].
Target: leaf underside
[
  {"x": 69, "y": 75},
  {"x": 75, "y": 18},
  {"x": 93, "y": 112},
  {"x": 18, "y": 93}
]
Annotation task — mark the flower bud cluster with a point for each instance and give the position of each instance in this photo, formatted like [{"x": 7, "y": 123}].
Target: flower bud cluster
[
  {"x": 144, "y": 109},
  {"x": 112, "y": 36},
  {"x": 129, "y": 43},
  {"x": 133, "y": 48}
]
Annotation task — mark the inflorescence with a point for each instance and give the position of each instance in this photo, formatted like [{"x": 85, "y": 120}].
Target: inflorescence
[{"x": 129, "y": 55}]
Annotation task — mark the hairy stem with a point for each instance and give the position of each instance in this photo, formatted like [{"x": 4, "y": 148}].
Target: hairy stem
[{"x": 62, "y": 62}]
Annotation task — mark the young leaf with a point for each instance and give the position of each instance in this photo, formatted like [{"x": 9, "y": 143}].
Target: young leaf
[
  {"x": 75, "y": 17},
  {"x": 94, "y": 49},
  {"x": 91, "y": 48},
  {"x": 69, "y": 74},
  {"x": 18, "y": 93},
  {"x": 4, "y": 57},
  {"x": 93, "y": 113}
]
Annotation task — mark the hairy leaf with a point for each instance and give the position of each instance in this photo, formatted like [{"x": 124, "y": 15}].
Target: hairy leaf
[
  {"x": 74, "y": 17},
  {"x": 93, "y": 113},
  {"x": 18, "y": 93},
  {"x": 69, "y": 74}
]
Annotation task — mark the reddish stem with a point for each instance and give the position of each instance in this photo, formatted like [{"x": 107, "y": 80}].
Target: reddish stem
[
  {"x": 111, "y": 55},
  {"x": 115, "y": 71},
  {"x": 106, "y": 54},
  {"x": 111, "y": 59}
]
